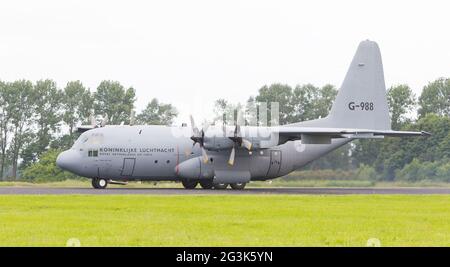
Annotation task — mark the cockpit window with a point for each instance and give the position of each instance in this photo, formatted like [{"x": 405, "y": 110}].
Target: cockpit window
[
  {"x": 91, "y": 138},
  {"x": 93, "y": 153},
  {"x": 81, "y": 140}
]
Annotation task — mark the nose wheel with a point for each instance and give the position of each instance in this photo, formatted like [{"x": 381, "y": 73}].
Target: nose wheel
[{"x": 99, "y": 183}]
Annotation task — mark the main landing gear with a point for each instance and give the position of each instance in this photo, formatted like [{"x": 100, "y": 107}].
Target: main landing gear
[
  {"x": 99, "y": 183},
  {"x": 209, "y": 184}
]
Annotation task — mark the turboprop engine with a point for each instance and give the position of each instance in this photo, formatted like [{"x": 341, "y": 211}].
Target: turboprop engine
[
  {"x": 194, "y": 168},
  {"x": 251, "y": 137},
  {"x": 225, "y": 137}
]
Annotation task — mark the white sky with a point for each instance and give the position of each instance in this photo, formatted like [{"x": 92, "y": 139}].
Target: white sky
[{"x": 190, "y": 53}]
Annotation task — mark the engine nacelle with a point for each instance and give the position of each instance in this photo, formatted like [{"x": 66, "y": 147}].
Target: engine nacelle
[
  {"x": 260, "y": 137},
  {"x": 194, "y": 169},
  {"x": 218, "y": 143}
]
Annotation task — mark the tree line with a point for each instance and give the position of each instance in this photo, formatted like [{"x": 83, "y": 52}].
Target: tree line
[
  {"x": 389, "y": 159},
  {"x": 37, "y": 120},
  {"x": 36, "y": 117}
]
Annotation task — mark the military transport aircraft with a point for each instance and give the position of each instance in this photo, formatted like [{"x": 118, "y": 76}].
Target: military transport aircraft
[{"x": 234, "y": 155}]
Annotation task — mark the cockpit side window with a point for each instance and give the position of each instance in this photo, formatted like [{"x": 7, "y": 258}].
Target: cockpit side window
[{"x": 93, "y": 153}]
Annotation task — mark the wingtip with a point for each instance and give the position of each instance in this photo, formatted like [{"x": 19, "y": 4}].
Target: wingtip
[{"x": 426, "y": 133}]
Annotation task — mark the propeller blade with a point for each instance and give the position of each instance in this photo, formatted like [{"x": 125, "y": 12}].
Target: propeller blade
[
  {"x": 104, "y": 121},
  {"x": 205, "y": 126},
  {"x": 132, "y": 113},
  {"x": 224, "y": 130},
  {"x": 93, "y": 120},
  {"x": 240, "y": 118},
  {"x": 195, "y": 130},
  {"x": 204, "y": 156},
  {"x": 247, "y": 144},
  {"x": 231, "y": 159}
]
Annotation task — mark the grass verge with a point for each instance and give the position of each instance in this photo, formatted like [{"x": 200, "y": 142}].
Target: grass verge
[{"x": 221, "y": 220}]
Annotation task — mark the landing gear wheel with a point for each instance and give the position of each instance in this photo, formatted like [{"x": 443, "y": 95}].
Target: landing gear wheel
[
  {"x": 208, "y": 184},
  {"x": 189, "y": 184},
  {"x": 99, "y": 183},
  {"x": 238, "y": 186},
  {"x": 220, "y": 186}
]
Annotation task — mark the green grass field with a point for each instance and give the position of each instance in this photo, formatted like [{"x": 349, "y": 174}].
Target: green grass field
[{"x": 220, "y": 220}]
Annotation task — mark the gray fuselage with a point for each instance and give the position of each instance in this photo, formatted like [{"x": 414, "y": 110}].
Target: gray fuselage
[{"x": 150, "y": 152}]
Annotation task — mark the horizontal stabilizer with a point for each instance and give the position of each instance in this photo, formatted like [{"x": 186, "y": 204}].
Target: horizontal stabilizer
[{"x": 319, "y": 135}]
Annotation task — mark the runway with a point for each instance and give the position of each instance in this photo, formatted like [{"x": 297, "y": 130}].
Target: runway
[{"x": 250, "y": 191}]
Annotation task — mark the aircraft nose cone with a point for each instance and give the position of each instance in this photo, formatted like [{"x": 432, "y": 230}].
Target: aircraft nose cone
[{"x": 66, "y": 160}]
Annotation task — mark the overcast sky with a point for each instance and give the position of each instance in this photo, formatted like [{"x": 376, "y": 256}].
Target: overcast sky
[{"x": 190, "y": 53}]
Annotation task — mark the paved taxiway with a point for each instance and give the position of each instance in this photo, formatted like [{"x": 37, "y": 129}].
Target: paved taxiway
[{"x": 251, "y": 191}]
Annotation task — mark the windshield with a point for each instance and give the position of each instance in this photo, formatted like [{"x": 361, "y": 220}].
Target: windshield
[
  {"x": 91, "y": 138},
  {"x": 84, "y": 138}
]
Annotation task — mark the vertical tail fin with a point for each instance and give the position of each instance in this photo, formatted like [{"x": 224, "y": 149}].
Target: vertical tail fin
[{"x": 361, "y": 101}]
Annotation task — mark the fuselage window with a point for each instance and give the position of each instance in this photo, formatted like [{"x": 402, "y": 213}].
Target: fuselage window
[{"x": 93, "y": 153}]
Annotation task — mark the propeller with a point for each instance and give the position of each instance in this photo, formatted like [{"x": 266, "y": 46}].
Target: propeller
[
  {"x": 198, "y": 136},
  {"x": 238, "y": 140},
  {"x": 93, "y": 123}
]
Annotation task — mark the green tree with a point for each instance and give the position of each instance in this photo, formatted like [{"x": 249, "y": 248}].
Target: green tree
[
  {"x": 366, "y": 172},
  {"x": 157, "y": 113},
  {"x": 226, "y": 112},
  {"x": 395, "y": 153},
  {"x": 311, "y": 102},
  {"x": 325, "y": 100},
  {"x": 45, "y": 169},
  {"x": 305, "y": 102},
  {"x": 22, "y": 106},
  {"x": 336, "y": 159},
  {"x": 5, "y": 119},
  {"x": 47, "y": 111},
  {"x": 280, "y": 93},
  {"x": 115, "y": 101},
  {"x": 77, "y": 104},
  {"x": 402, "y": 101},
  {"x": 435, "y": 98}
]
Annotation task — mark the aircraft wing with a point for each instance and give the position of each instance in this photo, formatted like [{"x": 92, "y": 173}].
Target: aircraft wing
[{"x": 323, "y": 135}]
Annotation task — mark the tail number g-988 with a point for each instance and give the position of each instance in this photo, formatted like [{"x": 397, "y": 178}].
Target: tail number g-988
[{"x": 361, "y": 106}]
